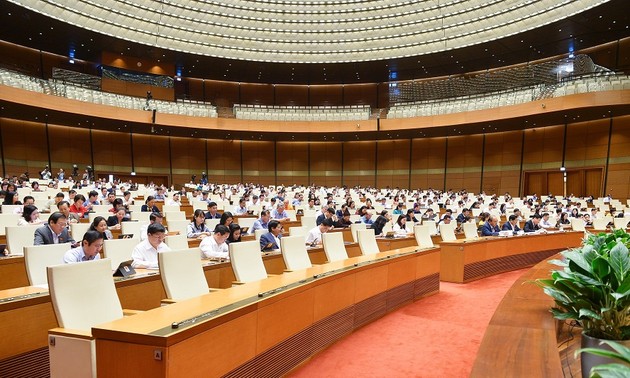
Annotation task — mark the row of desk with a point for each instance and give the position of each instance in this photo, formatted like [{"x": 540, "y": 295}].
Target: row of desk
[{"x": 26, "y": 312}]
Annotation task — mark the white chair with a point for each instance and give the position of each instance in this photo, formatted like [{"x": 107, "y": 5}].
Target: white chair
[
  {"x": 77, "y": 230},
  {"x": 174, "y": 215},
  {"x": 141, "y": 216},
  {"x": 244, "y": 222},
  {"x": 178, "y": 225},
  {"x": 298, "y": 231},
  {"x": 19, "y": 237},
  {"x": 621, "y": 223},
  {"x": 170, "y": 208},
  {"x": 578, "y": 224},
  {"x": 334, "y": 247},
  {"x": 101, "y": 208},
  {"x": 8, "y": 220},
  {"x": 309, "y": 222},
  {"x": 432, "y": 226},
  {"x": 294, "y": 253},
  {"x": 82, "y": 295},
  {"x": 132, "y": 227},
  {"x": 9, "y": 209},
  {"x": 423, "y": 236},
  {"x": 258, "y": 233},
  {"x": 119, "y": 250},
  {"x": 447, "y": 232},
  {"x": 470, "y": 230},
  {"x": 292, "y": 215},
  {"x": 246, "y": 261},
  {"x": 177, "y": 242},
  {"x": 367, "y": 242},
  {"x": 38, "y": 257},
  {"x": 182, "y": 274},
  {"x": 105, "y": 215},
  {"x": 212, "y": 223},
  {"x": 354, "y": 228},
  {"x": 600, "y": 224}
]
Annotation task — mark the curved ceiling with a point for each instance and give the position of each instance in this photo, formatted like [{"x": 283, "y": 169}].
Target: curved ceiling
[{"x": 309, "y": 31}]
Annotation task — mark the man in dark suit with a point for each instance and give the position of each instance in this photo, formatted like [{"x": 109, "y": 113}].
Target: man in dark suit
[
  {"x": 464, "y": 216},
  {"x": 55, "y": 232},
  {"x": 533, "y": 225},
  {"x": 212, "y": 211},
  {"x": 511, "y": 224},
  {"x": 491, "y": 227},
  {"x": 271, "y": 240},
  {"x": 329, "y": 213}
]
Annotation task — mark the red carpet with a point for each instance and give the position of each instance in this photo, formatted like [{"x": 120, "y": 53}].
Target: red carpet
[{"x": 436, "y": 336}]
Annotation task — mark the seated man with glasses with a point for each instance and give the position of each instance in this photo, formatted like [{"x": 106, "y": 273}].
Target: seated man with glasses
[
  {"x": 144, "y": 255},
  {"x": 55, "y": 232},
  {"x": 215, "y": 246},
  {"x": 88, "y": 250}
]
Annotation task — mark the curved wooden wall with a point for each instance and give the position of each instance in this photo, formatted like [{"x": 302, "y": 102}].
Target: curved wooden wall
[{"x": 494, "y": 163}]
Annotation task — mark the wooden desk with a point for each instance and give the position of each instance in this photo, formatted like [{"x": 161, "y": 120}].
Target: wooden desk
[
  {"x": 520, "y": 340},
  {"x": 386, "y": 244},
  {"x": 468, "y": 260},
  {"x": 297, "y": 314},
  {"x": 12, "y": 272}
]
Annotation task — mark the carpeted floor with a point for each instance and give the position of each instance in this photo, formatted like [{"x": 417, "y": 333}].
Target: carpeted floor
[{"x": 436, "y": 336}]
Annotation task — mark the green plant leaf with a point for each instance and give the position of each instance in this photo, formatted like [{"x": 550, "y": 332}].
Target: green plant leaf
[
  {"x": 585, "y": 312},
  {"x": 558, "y": 263},
  {"x": 578, "y": 263},
  {"x": 620, "y": 261},
  {"x": 622, "y": 351},
  {"x": 625, "y": 285},
  {"x": 561, "y": 315},
  {"x": 601, "y": 268},
  {"x": 610, "y": 371}
]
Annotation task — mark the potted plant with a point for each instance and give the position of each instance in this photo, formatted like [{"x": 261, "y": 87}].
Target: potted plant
[
  {"x": 593, "y": 288},
  {"x": 619, "y": 353}
]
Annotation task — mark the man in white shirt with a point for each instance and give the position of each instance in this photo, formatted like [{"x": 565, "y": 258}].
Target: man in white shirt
[
  {"x": 544, "y": 222},
  {"x": 145, "y": 254},
  {"x": 88, "y": 251},
  {"x": 279, "y": 213},
  {"x": 241, "y": 208},
  {"x": 314, "y": 236},
  {"x": 174, "y": 201},
  {"x": 153, "y": 218},
  {"x": 215, "y": 245}
]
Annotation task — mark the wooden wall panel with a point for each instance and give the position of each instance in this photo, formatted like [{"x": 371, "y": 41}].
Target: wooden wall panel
[
  {"x": 587, "y": 144},
  {"x": 359, "y": 163},
  {"x": 464, "y": 162},
  {"x": 112, "y": 151},
  {"x": 194, "y": 88},
  {"x": 151, "y": 154},
  {"x": 68, "y": 146},
  {"x": 542, "y": 148},
  {"x": 326, "y": 163},
  {"x": 325, "y": 95},
  {"x": 25, "y": 148},
  {"x": 19, "y": 58},
  {"x": 360, "y": 94},
  {"x": 224, "y": 161},
  {"x": 295, "y": 95},
  {"x": 258, "y": 162},
  {"x": 427, "y": 163},
  {"x": 188, "y": 157},
  {"x": 618, "y": 183},
  {"x": 222, "y": 93},
  {"x": 393, "y": 163},
  {"x": 502, "y": 159},
  {"x": 261, "y": 94},
  {"x": 292, "y": 163}
]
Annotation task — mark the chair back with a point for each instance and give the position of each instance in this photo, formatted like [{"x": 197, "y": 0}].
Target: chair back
[
  {"x": 334, "y": 247},
  {"x": 367, "y": 242},
  {"x": 212, "y": 223},
  {"x": 178, "y": 225},
  {"x": 432, "y": 226},
  {"x": 77, "y": 230},
  {"x": 8, "y": 220},
  {"x": 423, "y": 236},
  {"x": 38, "y": 257},
  {"x": 618, "y": 222},
  {"x": 578, "y": 224},
  {"x": 132, "y": 227},
  {"x": 294, "y": 253},
  {"x": 309, "y": 222},
  {"x": 9, "y": 209},
  {"x": 245, "y": 222},
  {"x": 182, "y": 274},
  {"x": 105, "y": 215},
  {"x": 170, "y": 208},
  {"x": 259, "y": 233},
  {"x": 354, "y": 227},
  {"x": 177, "y": 242},
  {"x": 298, "y": 231},
  {"x": 600, "y": 224},
  {"x": 246, "y": 261},
  {"x": 292, "y": 215},
  {"x": 142, "y": 216},
  {"x": 119, "y": 250},
  {"x": 19, "y": 237},
  {"x": 470, "y": 230},
  {"x": 447, "y": 232},
  {"x": 174, "y": 215},
  {"x": 83, "y": 295},
  {"x": 101, "y": 208}
]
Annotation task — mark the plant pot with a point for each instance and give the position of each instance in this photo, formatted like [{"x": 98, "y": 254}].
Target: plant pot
[{"x": 589, "y": 360}]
